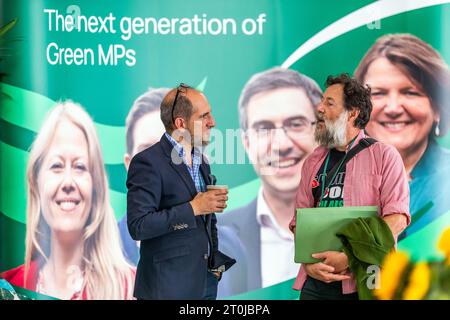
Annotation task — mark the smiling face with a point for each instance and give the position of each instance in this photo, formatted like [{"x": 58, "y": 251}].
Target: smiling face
[
  {"x": 278, "y": 156},
  {"x": 402, "y": 113},
  {"x": 64, "y": 180}
]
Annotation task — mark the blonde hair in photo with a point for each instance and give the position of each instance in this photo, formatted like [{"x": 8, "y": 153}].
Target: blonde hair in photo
[{"x": 107, "y": 275}]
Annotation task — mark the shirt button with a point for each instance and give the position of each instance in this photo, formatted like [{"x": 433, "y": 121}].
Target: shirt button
[{"x": 205, "y": 256}]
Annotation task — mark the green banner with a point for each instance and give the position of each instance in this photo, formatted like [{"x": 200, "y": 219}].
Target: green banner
[{"x": 112, "y": 63}]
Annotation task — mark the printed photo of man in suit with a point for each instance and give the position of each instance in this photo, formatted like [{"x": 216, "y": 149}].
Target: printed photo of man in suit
[
  {"x": 169, "y": 209},
  {"x": 277, "y": 115}
]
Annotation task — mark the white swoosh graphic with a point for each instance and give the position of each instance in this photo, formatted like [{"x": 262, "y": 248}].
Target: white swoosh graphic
[{"x": 374, "y": 11}]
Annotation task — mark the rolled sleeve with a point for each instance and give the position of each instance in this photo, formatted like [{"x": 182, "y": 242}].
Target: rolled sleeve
[{"x": 394, "y": 197}]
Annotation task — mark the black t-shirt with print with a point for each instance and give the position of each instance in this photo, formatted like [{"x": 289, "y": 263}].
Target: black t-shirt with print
[
  {"x": 313, "y": 288},
  {"x": 335, "y": 195}
]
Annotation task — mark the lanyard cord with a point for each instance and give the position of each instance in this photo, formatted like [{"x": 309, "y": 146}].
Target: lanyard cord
[
  {"x": 336, "y": 172},
  {"x": 325, "y": 173}
]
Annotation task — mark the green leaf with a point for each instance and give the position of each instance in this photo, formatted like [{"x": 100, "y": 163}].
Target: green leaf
[{"x": 8, "y": 27}]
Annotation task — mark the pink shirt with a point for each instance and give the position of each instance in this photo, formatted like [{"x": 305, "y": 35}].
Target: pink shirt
[{"x": 374, "y": 177}]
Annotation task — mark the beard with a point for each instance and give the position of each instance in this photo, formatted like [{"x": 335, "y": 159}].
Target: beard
[{"x": 334, "y": 133}]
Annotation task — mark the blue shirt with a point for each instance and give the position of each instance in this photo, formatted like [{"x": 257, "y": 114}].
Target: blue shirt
[
  {"x": 130, "y": 249},
  {"x": 194, "y": 171}
]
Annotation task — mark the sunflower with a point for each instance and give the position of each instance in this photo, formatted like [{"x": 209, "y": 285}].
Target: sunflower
[
  {"x": 444, "y": 245},
  {"x": 393, "y": 266},
  {"x": 419, "y": 282}
]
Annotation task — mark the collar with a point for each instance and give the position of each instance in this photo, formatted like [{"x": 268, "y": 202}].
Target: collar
[
  {"x": 361, "y": 135},
  {"x": 180, "y": 150},
  {"x": 265, "y": 217},
  {"x": 175, "y": 144}
]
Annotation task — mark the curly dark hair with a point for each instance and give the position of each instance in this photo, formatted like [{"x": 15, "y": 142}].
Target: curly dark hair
[{"x": 356, "y": 96}]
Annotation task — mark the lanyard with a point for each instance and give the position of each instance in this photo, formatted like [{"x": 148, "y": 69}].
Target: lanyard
[{"x": 324, "y": 173}]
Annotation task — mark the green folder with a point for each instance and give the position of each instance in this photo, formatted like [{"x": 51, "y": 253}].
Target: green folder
[{"x": 317, "y": 227}]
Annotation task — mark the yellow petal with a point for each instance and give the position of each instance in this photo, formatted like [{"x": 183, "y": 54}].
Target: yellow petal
[
  {"x": 419, "y": 282},
  {"x": 393, "y": 266},
  {"x": 444, "y": 243}
]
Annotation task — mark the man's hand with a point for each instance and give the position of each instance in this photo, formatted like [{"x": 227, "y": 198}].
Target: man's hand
[
  {"x": 332, "y": 268},
  {"x": 209, "y": 202},
  {"x": 323, "y": 272},
  {"x": 335, "y": 259}
]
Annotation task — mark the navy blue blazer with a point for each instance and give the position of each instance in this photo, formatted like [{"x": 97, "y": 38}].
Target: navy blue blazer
[{"x": 174, "y": 257}]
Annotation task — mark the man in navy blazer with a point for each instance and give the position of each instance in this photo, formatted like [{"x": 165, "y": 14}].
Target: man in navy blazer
[{"x": 169, "y": 209}]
